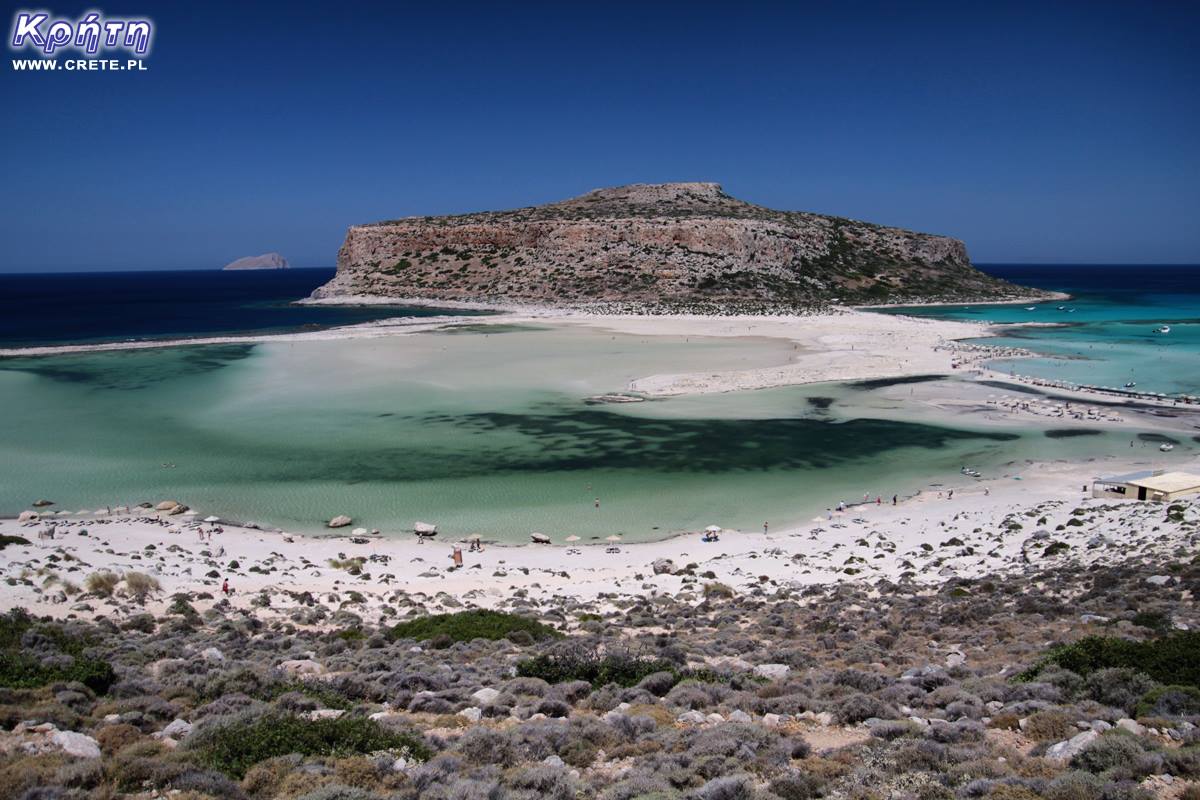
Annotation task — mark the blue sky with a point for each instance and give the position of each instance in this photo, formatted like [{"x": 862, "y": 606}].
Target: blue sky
[{"x": 1039, "y": 132}]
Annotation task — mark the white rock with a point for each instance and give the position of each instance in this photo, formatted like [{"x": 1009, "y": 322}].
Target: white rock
[
  {"x": 323, "y": 713},
  {"x": 1066, "y": 750},
  {"x": 302, "y": 666},
  {"x": 663, "y": 566},
  {"x": 473, "y": 714},
  {"x": 714, "y": 718},
  {"x": 340, "y": 521},
  {"x": 76, "y": 744},
  {"x": 399, "y": 765},
  {"x": 771, "y": 720},
  {"x": 955, "y": 660},
  {"x": 772, "y": 672},
  {"x": 1158, "y": 580},
  {"x": 213, "y": 654},
  {"x": 691, "y": 717},
  {"x": 1130, "y": 725},
  {"x": 553, "y": 761},
  {"x": 178, "y": 728},
  {"x": 740, "y": 716},
  {"x": 486, "y": 696}
]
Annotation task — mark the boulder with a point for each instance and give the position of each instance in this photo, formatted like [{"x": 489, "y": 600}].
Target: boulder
[
  {"x": 772, "y": 672},
  {"x": 28, "y": 516},
  {"x": 166, "y": 505},
  {"x": 177, "y": 729},
  {"x": 75, "y": 744},
  {"x": 485, "y": 696},
  {"x": 1136, "y": 728},
  {"x": 1064, "y": 751},
  {"x": 302, "y": 666},
  {"x": 663, "y": 566},
  {"x": 691, "y": 717},
  {"x": 740, "y": 716},
  {"x": 340, "y": 521},
  {"x": 472, "y": 714},
  {"x": 213, "y": 654}
]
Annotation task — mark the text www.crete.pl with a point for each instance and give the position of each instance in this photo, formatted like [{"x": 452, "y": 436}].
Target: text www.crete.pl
[{"x": 78, "y": 65}]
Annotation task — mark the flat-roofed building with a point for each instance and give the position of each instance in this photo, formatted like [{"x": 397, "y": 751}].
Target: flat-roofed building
[{"x": 1147, "y": 485}]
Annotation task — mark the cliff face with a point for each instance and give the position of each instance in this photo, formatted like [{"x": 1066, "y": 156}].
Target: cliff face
[{"x": 674, "y": 246}]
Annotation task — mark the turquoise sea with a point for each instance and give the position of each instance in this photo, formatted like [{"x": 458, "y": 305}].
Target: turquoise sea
[
  {"x": 1106, "y": 334},
  {"x": 484, "y": 429}
]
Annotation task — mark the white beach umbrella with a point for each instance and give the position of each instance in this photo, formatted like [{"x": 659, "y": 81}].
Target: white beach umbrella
[
  {"x": 212, "y": 519},
  {"x": 359, "y": 532},
  {"x": 713, "y": 529},
  {"x": 613, "y": 538},
  {"x": 572, "y": 538}
]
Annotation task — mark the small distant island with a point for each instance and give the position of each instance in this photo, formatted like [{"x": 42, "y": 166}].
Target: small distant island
[{"x": 265, "y": 261}]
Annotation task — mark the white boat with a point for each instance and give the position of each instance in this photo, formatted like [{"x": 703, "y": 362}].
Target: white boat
[
  {"x": 1031, "y": 308},
  {"x": 1166, "y": 447},
  {"x": 1062, "y": 308},
  {"x": 1163, "y": 329},
  {"x": 1131, "y": 384}
]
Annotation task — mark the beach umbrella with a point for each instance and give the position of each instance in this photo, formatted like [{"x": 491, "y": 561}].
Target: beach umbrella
[
  {"x": 572, "y": 538},
  {"x": 212, "y": 519},
  {"x": 713, "y": 529},
  {"x": 424, "y": 528},
  {"x": 613, "y": 538}
]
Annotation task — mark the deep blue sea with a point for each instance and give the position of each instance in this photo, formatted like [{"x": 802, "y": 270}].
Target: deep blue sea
[
  {"x": 117, "y": 306},
  {"x": 1107, "y": 333}
]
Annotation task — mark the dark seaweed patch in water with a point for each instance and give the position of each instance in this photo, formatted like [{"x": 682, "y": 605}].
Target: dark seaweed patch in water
[
  {"x": 883, "y": 383},
  {"x": 600, "y": 440},
  {"x": 1019, "y": 388},
  {"x": 1069, "y": 433},
  {"x": 1156, "y": 437},
  {"x": 130, "y": 369},
  {"x": 820, "y": 402},
  {"x": 484, "y": 328}
]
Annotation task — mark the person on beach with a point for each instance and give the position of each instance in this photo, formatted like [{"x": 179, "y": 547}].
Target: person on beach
[
  {"x": 225, "y": 586},
  {"x": 895, "y": 498},
  {"x": 878, "y": 500},
  {"x": 829, "y": 513},
  {"x": 764, "y": 527},
  {"x": 457, "y": 558},
  {"x": 597, "y": 502},
  {"x": 951, "y": 495}
]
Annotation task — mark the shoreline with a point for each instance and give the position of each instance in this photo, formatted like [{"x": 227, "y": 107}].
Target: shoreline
[{"x": 863, "y": 544}]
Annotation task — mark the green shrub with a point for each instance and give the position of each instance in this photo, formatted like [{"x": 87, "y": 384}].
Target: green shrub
[
  {"x": 467, "y": 625},
  {"x": 1173, "y": 701},
  {"x": 600, "y": 669},
  {"x": 236, "y": 746},
  {"x": 1173, "y": 659},
  {"x": 6, "y": 540},
  {"x": 21, "y": 671}
]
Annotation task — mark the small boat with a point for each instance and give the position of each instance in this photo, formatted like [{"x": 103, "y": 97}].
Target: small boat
[
  {"x": 1031, "y": 308},
  {"x": 1131, "y": 384},
  {"x": 1166, "y": 447},
  {"x": 1163, "y": 329},
  {"x": 1062, "y": 308}
]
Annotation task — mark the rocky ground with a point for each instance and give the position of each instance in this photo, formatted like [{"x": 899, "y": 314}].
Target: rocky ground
[{"x": 873, "y": 688}]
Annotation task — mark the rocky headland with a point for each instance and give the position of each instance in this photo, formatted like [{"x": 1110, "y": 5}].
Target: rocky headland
[{"x": 668, "y": 247}]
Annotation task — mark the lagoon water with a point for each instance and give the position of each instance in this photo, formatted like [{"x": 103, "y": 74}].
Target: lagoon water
[
  {"x": 1105, "y": 335},
  {"x": 482, "y": 430}
]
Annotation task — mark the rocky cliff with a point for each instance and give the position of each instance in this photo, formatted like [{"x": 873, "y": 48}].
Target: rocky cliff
[{"x": 675, "y": 246}]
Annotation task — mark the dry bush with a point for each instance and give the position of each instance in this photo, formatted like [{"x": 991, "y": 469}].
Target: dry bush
[
  {"x": 101, "y": 583},
  {"x": 1050, "y": 726},
  {"x": 140, "y": 585},
  {"x": 113, "y": 738}
]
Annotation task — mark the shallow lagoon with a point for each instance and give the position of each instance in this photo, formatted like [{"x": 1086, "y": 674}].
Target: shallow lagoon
[{"x": 482, "y": 430}]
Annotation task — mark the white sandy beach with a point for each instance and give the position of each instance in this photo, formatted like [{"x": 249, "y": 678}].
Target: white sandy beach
[{"x": 926, "y": 538}]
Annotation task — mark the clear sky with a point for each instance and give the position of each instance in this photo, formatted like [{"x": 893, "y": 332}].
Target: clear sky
[{"x": 1035, "y": 132}]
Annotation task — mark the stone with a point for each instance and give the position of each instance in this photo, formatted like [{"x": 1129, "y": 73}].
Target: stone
[
  {"x": 740, "y": 716},
  {"x": 177, "y": 728},
  {"x": 714, "y": 718},
  {"x": 1158, "y": 580},
  {"x": 771, "y": 720},
  {"x": 302, "y": 666},
  {"x": 75, "y": 744},
  {"x": 486, "y": 696},
  {"x": 553, "y": 761},
  {"x": 340, "y": 521},
  {"x": 472, "y": 714},
  {"x": 1064, "y": 751},
  {"x": 955, "y": 660},
  {"x": 1132, "y": 726},
  {"x": 691, "y": 717},
  {"x": 323, "y": 713},
  {"x": 212, "y": 654},
  {"x": 772, "y": 672},
  {"x": 663, "y": 566}
]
